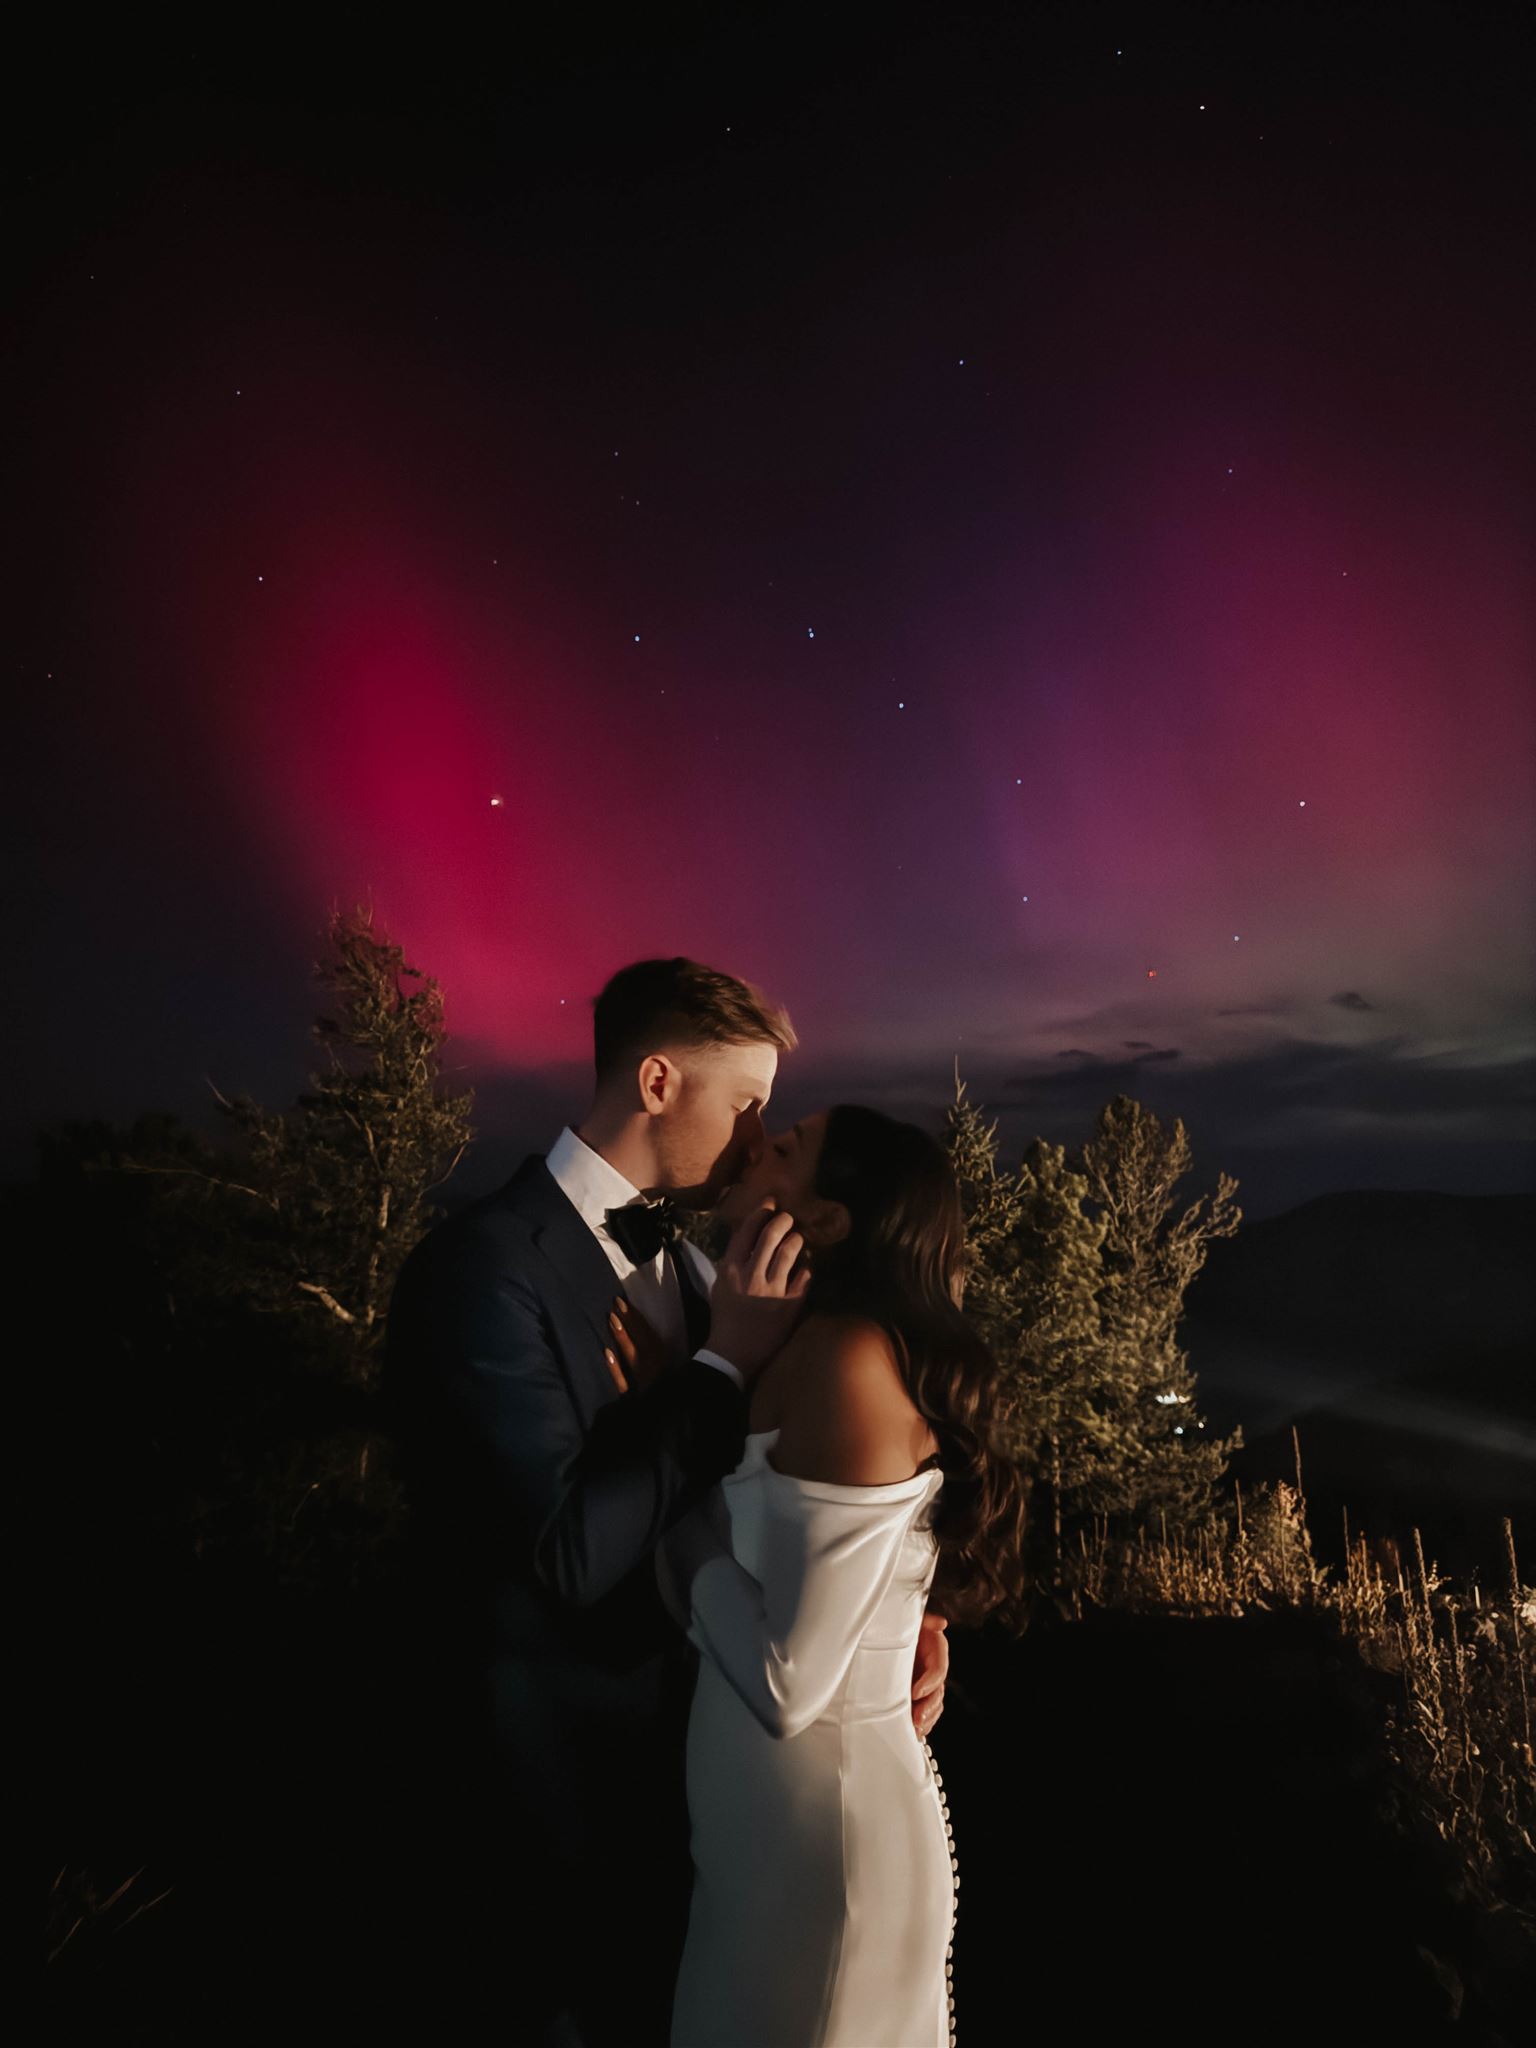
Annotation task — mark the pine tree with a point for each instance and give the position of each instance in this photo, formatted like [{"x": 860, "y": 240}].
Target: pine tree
[
  {"x": 263, "y": 1270},
  {"x": 1074, "y": 1375},
  {"x": 1031, "y": 1277},
  {"x": 994, "y": 1300},
  {"x": 336, "y": 1187},
  {"x": 1167, "y": 1466},
  {"x": 1080, "y": 1311},
  {"x": 309, "y": 1220}
]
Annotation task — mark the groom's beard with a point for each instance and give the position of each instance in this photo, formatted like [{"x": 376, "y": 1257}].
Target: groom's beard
[
  {"x": 710, "y": 1231},
  {"x": 698, "y": 1198}
]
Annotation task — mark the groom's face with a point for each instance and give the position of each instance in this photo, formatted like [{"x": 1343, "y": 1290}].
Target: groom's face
[
  {"x": 785, "y": 1168},
  {"x": 717, "y": 1136}
]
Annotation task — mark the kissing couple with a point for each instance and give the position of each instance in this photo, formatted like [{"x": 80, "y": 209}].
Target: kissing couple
[{"x": 688, "y": 1539}]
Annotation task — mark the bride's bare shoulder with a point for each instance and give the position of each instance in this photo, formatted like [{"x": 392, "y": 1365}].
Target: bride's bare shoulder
[
  {"x": 842, "y": 1334},
  {"x": 846, "y": 1414},
  {"x": 820, "y": 1336}
]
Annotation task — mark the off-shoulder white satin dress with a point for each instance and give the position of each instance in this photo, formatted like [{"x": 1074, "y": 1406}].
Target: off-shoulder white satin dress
[{"x": 823, "y": 1900}]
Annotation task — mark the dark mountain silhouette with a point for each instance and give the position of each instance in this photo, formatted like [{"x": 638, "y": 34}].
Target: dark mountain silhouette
[
  {"x": 1380, "y": 1273},
  {"x": 1396, "y": 1332}
]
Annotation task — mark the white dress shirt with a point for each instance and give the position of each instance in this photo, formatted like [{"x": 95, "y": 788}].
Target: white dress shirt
[{"x": 594, "y": 1185}]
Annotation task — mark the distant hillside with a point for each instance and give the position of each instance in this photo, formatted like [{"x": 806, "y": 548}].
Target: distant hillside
[
  {"x": 1374, "y": 1271},
  {"x": 1397, "y": 1334}
]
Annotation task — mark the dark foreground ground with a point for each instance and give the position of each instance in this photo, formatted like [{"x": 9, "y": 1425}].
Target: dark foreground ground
[{"x": 1159, "y": 1825}]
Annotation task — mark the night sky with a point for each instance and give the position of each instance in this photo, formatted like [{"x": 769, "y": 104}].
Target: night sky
[{"x": 1010, "y": 528}]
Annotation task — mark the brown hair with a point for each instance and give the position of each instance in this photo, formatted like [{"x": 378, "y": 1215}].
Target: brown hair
[
  {"x": 679, "y": 1002},
  {"x": 902, "y": 1266}
]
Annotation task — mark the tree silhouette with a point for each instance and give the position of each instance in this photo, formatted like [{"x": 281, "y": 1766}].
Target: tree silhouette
[
  {"x": 1081, "y": 1313},
  {"x": 267, "y": 1266},
  {"x": 337, "y": 1185}
]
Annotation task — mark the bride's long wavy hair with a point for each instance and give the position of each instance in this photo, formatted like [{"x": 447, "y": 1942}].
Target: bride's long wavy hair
[{"x": 902, "y": 1265}]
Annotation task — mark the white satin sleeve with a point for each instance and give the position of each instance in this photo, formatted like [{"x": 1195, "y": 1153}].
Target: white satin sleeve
[{"x": 829, "y": 1555}]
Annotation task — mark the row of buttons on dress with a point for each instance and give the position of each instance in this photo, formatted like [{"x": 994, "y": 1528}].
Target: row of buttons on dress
[{"x": 949, "y": 1965}]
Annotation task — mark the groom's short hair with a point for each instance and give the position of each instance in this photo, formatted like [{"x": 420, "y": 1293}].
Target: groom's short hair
[{"x": 679, "y": 1002}]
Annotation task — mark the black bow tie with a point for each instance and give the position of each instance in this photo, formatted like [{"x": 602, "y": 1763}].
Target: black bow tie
[{"x": 642, "y": 1228}]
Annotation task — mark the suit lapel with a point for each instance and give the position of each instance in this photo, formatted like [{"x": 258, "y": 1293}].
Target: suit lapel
[
  {"x": 695, "y": 1306},
  {"x": 581, "y": 1268},
  {"x": 563, "y": 1238}
]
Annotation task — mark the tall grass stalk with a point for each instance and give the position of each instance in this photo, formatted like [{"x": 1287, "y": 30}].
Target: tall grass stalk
[{"x": 1459, "y": 1734}]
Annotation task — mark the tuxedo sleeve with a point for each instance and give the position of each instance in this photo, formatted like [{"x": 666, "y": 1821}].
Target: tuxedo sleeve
[{"x": 587, "y": 1506}]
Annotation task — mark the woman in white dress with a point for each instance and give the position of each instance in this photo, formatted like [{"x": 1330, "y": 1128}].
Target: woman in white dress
[{"x": 824, "y": 1877}]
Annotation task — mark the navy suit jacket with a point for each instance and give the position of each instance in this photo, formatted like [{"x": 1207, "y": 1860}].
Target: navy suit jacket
[{"x": 538, "y": 1494}]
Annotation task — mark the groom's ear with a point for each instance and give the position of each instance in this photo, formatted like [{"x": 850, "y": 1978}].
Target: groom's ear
[{"x": 656, "y": 1082}]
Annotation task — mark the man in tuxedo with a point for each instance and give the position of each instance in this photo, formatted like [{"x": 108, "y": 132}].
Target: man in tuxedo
[{"x": 541, "y": 1487}]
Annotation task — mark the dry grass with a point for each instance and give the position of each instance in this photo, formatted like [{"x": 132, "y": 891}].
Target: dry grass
[
  {"x": 83, "y": 1911},
  {"x": 1459, "y": 1735}
]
